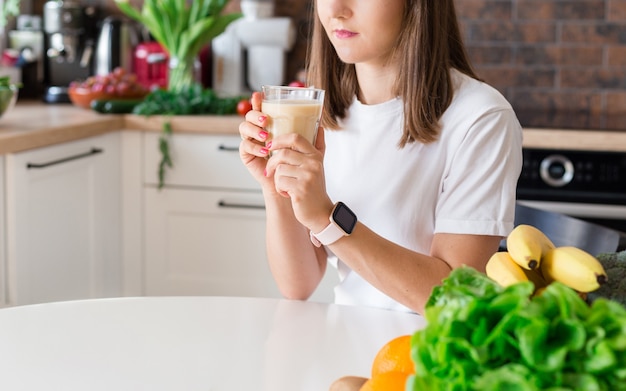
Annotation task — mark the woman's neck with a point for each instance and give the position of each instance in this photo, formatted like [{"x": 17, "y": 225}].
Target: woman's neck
[{"x": 376, "y": 84}]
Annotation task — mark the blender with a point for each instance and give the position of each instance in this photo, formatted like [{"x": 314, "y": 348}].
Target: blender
[{"x": 252, "y": 52}]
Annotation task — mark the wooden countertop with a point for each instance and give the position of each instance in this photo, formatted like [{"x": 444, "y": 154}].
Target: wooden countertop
[
  {"x": 32, "y": 125},
  {"x": 585, "y": 140}
]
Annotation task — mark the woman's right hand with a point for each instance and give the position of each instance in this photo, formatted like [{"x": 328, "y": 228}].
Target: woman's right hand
[{"x": 252, "y": 150}]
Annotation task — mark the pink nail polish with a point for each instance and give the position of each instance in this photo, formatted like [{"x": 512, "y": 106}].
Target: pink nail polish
[
  {"x": 268, "y": 145},
  {"x": 264, "y": 151},
  {"x": 263, "y": 134},
  {"x": 262, "y": 118},
  {"x": 264, "y": 172}
]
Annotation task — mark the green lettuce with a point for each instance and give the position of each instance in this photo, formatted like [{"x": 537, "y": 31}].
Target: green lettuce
[{"x": 482, "y": 337}]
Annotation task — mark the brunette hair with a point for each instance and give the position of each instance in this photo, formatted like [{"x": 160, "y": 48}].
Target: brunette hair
[{"x": 430, "y": 44}]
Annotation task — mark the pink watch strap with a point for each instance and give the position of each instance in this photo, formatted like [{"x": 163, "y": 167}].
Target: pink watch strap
[{"x": 328, "y": 235}]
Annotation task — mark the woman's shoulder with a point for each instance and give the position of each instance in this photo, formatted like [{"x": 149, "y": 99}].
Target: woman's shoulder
[
  {"x": 477, "y": 105},
  {"x": 476, "y": 93}
]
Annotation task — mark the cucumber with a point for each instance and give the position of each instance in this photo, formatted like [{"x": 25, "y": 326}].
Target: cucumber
[{"x": 114, "y": 106}]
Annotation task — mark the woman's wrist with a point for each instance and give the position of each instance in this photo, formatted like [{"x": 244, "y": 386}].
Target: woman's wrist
[{"x": 322, "y": 221}]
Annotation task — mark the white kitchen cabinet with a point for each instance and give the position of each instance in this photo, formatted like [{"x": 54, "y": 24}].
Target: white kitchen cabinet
[
  {"x": 197, "y": 245},
  {"x": 3, "y": 247},
  {"x": 205, "y": 230},
  {"x": 63, "y": 221}
]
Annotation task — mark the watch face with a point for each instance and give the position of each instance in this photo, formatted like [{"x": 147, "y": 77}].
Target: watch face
[{"x": 344, "y": 217}]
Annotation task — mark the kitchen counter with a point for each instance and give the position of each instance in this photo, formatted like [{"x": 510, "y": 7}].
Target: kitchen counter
[{"x": 32, "y": 125}]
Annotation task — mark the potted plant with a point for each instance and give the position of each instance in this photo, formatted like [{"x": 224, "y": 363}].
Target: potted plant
[
  {"x": 182, "y": 29},
  {"x": 8, "y": 8}
]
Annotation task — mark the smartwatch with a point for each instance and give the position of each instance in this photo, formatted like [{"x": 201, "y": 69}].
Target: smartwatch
[{"x": 342, "y": 222}]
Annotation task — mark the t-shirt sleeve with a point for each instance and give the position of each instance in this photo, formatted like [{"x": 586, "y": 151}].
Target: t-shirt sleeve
[{"x": 479, "y": 187}]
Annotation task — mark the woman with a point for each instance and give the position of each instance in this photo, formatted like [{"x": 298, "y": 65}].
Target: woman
[{"x": 423, "y": 157}]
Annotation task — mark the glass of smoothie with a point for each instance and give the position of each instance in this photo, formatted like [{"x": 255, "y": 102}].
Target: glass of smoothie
[{"x": 292, "y": 110}]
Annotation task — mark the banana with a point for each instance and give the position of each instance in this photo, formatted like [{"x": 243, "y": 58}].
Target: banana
[
  {"x": 527, "y": 244},
  {"x": 573, "y": 267},
  {"x": 502, "y": 269},
  {"x": 536, "y": 278},
  {"x": 539, "y": 291}
]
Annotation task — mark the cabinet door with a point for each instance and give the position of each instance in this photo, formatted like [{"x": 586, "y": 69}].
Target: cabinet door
[
  {"x": 206, "y": 243},
  {"x": 210, "y": 243},
  {"x": 63, "y": 221},
  {"x": 3, "y": 247}
]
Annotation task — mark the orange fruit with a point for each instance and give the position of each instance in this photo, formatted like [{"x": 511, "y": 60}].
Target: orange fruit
[
  {"x": 395, "y": 355},
  {"x": 386, "y": 381}
]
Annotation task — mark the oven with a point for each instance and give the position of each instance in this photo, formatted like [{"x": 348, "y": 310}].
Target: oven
[{"x": 589, "y": 185}]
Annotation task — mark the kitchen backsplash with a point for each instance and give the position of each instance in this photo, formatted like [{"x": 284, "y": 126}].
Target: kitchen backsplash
[{"x": 568, "y": 55}]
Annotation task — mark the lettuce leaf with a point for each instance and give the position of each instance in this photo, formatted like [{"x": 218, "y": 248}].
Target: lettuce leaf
[{"x": 481, "y": 336}]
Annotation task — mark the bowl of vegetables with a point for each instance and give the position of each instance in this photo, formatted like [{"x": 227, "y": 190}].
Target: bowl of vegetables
[
  {"x": 8, "y": 95},
  {"x": 118, "y": 84}
]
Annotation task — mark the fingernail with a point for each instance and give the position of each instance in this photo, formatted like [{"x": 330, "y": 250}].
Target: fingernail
[
  {"x": 263, "y": 134},
  {"x": 264, "y": 151},
  {"x": 262, "y": 118},
  {"x": 264, "y": 172},
  {"x": 268, "y": 145}
]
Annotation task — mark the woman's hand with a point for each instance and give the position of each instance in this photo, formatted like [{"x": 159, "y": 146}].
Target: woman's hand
[
  {"x": 253, "y": 150},
  {"x": 297, "y": 168}
]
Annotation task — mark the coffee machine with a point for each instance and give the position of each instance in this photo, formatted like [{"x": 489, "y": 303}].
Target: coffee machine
[
  {"x": 252, "y": 52},
  {"x": 70, "y": 31}
]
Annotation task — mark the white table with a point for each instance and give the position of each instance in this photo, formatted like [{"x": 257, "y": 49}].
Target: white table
[{"x": 191, "y": 343}]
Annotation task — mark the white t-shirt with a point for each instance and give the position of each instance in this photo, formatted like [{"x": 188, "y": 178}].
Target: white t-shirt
[{"x": 462, "y": 183}]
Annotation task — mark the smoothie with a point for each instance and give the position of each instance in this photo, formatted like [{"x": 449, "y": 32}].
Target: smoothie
[{"x": 293, "y": 116}]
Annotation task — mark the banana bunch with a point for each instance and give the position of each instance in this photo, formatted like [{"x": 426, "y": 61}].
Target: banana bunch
[
  {"x": 531, "y": 256},
  {"x": 527, "y": 245}
]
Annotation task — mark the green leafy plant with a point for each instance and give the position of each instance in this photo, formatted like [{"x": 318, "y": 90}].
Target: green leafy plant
[
  {"x": 615, "y": 288},
  {"x": 480, "y": 336},
  {"x": 8, "y": 93},
  {"x": 7, "y": 9},
  {"x": 182, "y": 29}
]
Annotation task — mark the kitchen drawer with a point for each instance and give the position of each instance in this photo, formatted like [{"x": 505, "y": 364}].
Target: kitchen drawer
[{"x": 210, "y": 161}]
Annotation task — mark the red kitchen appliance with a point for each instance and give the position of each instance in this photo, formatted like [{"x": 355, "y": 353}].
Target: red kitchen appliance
[{"x": 150, "y": 65}]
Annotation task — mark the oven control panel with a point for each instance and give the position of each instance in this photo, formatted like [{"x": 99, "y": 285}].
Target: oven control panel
[{"x": 575, "y": 176}]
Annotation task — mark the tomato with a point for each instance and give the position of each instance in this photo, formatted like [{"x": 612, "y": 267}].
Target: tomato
[
  {"x": 243, "y": 106},
  {"x": 297, "y": 83},
  {"x": 118, "y": 72},
  {"x": 122, "y": 88}
]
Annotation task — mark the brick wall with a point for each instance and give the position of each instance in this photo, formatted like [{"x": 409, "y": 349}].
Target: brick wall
[{"x": 568, "y": 55}]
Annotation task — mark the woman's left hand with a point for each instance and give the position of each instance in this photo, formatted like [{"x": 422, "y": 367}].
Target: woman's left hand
[{"x": 298, "y": 171}]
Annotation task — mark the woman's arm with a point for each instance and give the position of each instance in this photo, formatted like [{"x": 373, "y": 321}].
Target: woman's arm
[
  {"x": 297, "y": 266},
  {"x": 403, "y": 274},
  {"x": 407, "y": 276}
]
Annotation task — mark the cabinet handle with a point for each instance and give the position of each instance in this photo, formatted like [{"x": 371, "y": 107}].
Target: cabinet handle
[
  {"x": 226, "y": 204},
  {"x": 93, "y": 151},
  {"x": 223, "y": 147}
]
